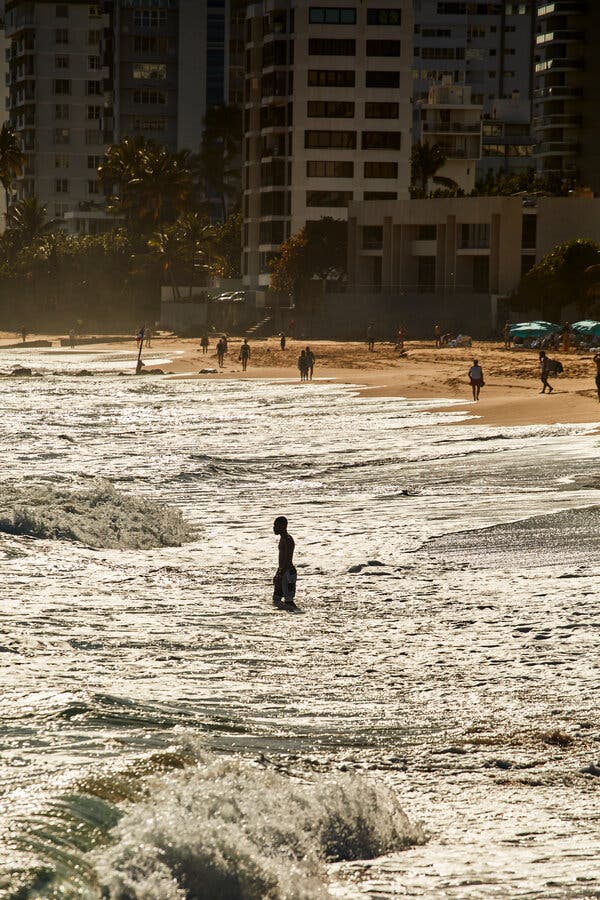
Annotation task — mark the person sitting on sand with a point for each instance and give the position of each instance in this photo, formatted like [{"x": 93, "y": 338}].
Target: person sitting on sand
[
  {"x": 597, "y": 361},
  {"x": 310, "y": 356},
  {"x": 476, "y": 378},
  {"x": 544, "y": 372},
  {"x": 284, "y": 580},
  {"x": 245, "y": 354},
  {"x": 303, "y": 366}
]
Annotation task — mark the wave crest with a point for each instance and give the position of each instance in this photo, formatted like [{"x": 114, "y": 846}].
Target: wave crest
[
  {"x": 233, "y": 831},
  {"x": 100, "y": 517}
]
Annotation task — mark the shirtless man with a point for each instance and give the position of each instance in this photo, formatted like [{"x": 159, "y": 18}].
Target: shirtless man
[{"x": 284, "y": 580}]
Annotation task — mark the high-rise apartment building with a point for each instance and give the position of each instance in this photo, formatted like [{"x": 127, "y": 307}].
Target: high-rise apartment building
[
  {"x": 450, "y": 119},
  {"x": 86, "y": 74},
  {"x": 327, "y": 116},
  {"x": 567, "y": 95}
]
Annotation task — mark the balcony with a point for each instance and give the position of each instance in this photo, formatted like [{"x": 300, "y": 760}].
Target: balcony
[
  {"x": 558, "y": 92},
  {"x": 559, "y": 120},
  {"x": 564, "y": 36},
  {"x": 20, "y": 23},
  {"x": 451, "y": 127},
  {"x": 562, "y": 8},
  {"x": 556, "y": 148},
  {"x": 560, "y": 64}
]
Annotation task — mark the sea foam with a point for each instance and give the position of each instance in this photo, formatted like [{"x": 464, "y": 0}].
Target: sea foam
[
  {"x": 99, "y": 517},
  {"x": 230, "y": 830}
]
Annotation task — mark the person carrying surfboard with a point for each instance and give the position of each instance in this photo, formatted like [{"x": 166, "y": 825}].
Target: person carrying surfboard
[{"x": 284, "y": 580}]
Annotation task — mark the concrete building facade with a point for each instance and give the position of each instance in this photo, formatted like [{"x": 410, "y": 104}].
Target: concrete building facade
[
  {"x": 450, "y": 119},
  {"x": 507, "y": 139},
  {"x": 327, "y": 117},
  {"x": 567, "y": 94}
]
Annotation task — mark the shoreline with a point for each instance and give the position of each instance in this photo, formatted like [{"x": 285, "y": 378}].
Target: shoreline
[{"x": 511, "y": 396}]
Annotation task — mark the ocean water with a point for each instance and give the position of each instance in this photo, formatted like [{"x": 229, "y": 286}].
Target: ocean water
[{"x": 425, "y": 726}]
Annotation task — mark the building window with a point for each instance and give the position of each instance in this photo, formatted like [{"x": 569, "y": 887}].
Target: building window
[
  {"x": 326, "y": 139},
  {"x": 62, "y": 11},
  {"x": 94, "y": 63},
  {"x": 62, "y": 86},
  {"x": 61, "y": 111},
  {"x": 60, "y": 209},
  {"x": 382, "y": 110},
  {"x": 61, "y": 36},
  {"x": 329, "y": 168},
  {"x": 61, "y": 186},
  {"x": 382, "y": 79},
  {"x": 271, "y": 232},
  {"x": 380, "y": 195},
  {"x": 474, "y": 237},
  {"x": 383, "y": 48},
  {"x": 150, "y": 18},
  {"x": 94, "y": 162},
  {"x": 150, "y": 71},
  {"x": 61, "y": 62},
  {"x": 381, "y": 170},
  {"x": 93, "y": 137},
  {"x": 61, "y": 161},
  {"x": 94, "y": 36},
  {"x": 93, "y": 88},
  {"x": 330, "y": 109},
  {"x": 94, "y": 112},
  {"x": 94, "y": 11},
  {"x": 384, "y": 17},
  {"x": 148, "y": 44},
  {"x": 143, "y": 124},
  {"x": 149, "y": 97},
  {"x": 427, "y": 232},
  {"x": 328, "y": 198},
  {"x": 331, "y": 78},
  {"x": 93, "y": 186},
  {"x": 372, "y": 237},
  {"x": 331, "y": 47},
  {"x": 332, "y": 15},
  {"x": 529, "y": 233},
  {"x": 381, "y": 140}
]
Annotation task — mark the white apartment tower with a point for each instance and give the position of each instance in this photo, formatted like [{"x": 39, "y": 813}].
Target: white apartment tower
[
  {"x": 327, "y": 116},
  {"x": 450, "y": 119}
]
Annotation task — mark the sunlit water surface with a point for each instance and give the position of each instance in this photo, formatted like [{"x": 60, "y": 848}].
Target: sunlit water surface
[{"x": 453, "y": 662}]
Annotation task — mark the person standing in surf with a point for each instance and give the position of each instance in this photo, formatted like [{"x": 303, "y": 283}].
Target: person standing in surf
[{"x": 284, "y": 580}]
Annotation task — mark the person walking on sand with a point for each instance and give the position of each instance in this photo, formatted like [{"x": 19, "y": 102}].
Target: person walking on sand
[
  {"x": 370, "y": 337},
  {"x": 597, "y": 361},
  {"x": 220, "y": 352},
  {"x": 204, "y": 342},
  {"x": 400, "y": 340},
  {"x": 310, "y": 356},
  {"x": 544, "y": 372},
  {"x": 476, "y": 378},
  {"x": 148, "y": 336},
  {"x": 437, "y": 334},
  {"x": 507, "y": 337},
  {"x": 72, "y": 338},
  {"x": 303, "y": 366},
  {"x": 284, "y": 580},
  {"x": 23, "y": 334},
  {"x": 282, "y": 340},
  {"x": 245, "y": 354}
]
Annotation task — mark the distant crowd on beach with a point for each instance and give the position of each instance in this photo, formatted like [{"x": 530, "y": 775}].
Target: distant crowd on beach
[{"x": 305, "y": 363}]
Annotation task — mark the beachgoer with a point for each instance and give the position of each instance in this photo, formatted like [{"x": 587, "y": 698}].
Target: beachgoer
[
  {"x": 225, "y": 343},
  {"x": 437, "y": 333},
  {"x": 148, "y": 336},
  {"x": 23, "y": 334},
  {"x": 303, "y": 366},
  {"x": 566, "y": 337},
  {"x": 282, "y": 340},
  {"x": 72, "y": 338},
  {"x": 400, "y": 339},
  {"x": 597, "y": 361},
  {"x": 204, "y": 342},
  {"x": 507, "y": 336},
  {"x": 310, "y": 356},
  {"x": 284, "y": 580},
  {"x": 245, "y": 354},
  {"x": 139, "y": 338},
  {"x": 220, "y": 352},
  {"x": 476, "y": 378},
  {"x": 370, "y": 337},
  {"x": 544, "y": 372}
]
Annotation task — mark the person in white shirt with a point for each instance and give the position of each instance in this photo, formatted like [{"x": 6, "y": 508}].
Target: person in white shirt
[{"x": 476, "y": 378}]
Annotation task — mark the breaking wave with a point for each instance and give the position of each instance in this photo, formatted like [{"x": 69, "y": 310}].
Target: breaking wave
[
  {"x": 232, "y": 830},
  {"x": 100, "y": 517}
]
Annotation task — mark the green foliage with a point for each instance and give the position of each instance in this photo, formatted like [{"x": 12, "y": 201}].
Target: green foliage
[
  {"x": 12, "y": 160},
  {"x": 425, "y": 161},
  {"x": 528, "y": 182},
  {"x": 564, "y": 276},
  {"x": 227, "y": 243},
  {"x": 317, "y": 250}
]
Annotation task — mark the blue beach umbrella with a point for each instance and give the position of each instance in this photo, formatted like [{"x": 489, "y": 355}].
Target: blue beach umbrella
[
  {"x": 587, "y": 326},
  {"x": 533, "y": 329}
]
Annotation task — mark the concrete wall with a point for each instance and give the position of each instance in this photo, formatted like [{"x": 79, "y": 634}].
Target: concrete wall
[{"x": 562, "y": 219}]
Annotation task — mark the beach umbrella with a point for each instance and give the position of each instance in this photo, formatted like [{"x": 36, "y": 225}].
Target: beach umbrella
[
  {"x": 587, "y": 326},
  {"x": 533, "y": 329}
]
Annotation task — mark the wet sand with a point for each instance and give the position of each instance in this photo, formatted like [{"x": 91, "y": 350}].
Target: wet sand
[{"x": 511, "y": 395}]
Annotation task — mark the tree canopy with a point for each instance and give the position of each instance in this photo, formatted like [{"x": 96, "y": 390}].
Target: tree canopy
[
  {"x": 319, "y": 250},
  {"x": 563, "y": 277}
]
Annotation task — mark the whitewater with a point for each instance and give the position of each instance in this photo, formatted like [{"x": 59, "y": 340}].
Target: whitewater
[{"x": 425, "y": 726}]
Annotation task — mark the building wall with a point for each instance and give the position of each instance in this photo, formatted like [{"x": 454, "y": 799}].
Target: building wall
[
  {"x": 561, "y": 219},
  {"x": 301, "y": 161}
]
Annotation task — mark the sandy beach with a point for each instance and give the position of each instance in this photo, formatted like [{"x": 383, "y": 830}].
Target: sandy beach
[{"x": 511, "y": 395}]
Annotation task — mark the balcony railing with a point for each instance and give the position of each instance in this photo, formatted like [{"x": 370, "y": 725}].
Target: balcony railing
[
  {"x": 556, "y": 147},
  {"x": 558, "y": 92},
  {"x": 562, "y": 7},
  {"x": 564, "y": 36},
  {"x": 560, "y": 64},
  {"x": 559, "y": 120},
  {"x": 456, "y": 127}
]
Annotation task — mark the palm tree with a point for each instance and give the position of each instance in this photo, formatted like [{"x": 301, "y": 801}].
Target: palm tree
[
  {"x": 12, "y": 160},
  {"x": 29, "y": 221},
  {"x": 425, "y": 161}
]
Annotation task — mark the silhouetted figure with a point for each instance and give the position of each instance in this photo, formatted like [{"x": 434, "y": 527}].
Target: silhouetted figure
[
  {"x": 370, "y": 337},
  {"x": 220, "y": 352},
  {"x": 507, "y": 335},
  {"x": 284, "y": 580},
  {"x": 303, "y": 366},
  {"x": 310, "y": 357},
  {"x": 204, "y": 343},
  {"x": 476, "y": 378},
  {"x": 282, "y": 341},
  {"x": 544, "y": 372},
  {"x": 245, "y": 354},
  {"x": 437, "y": 334}
]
